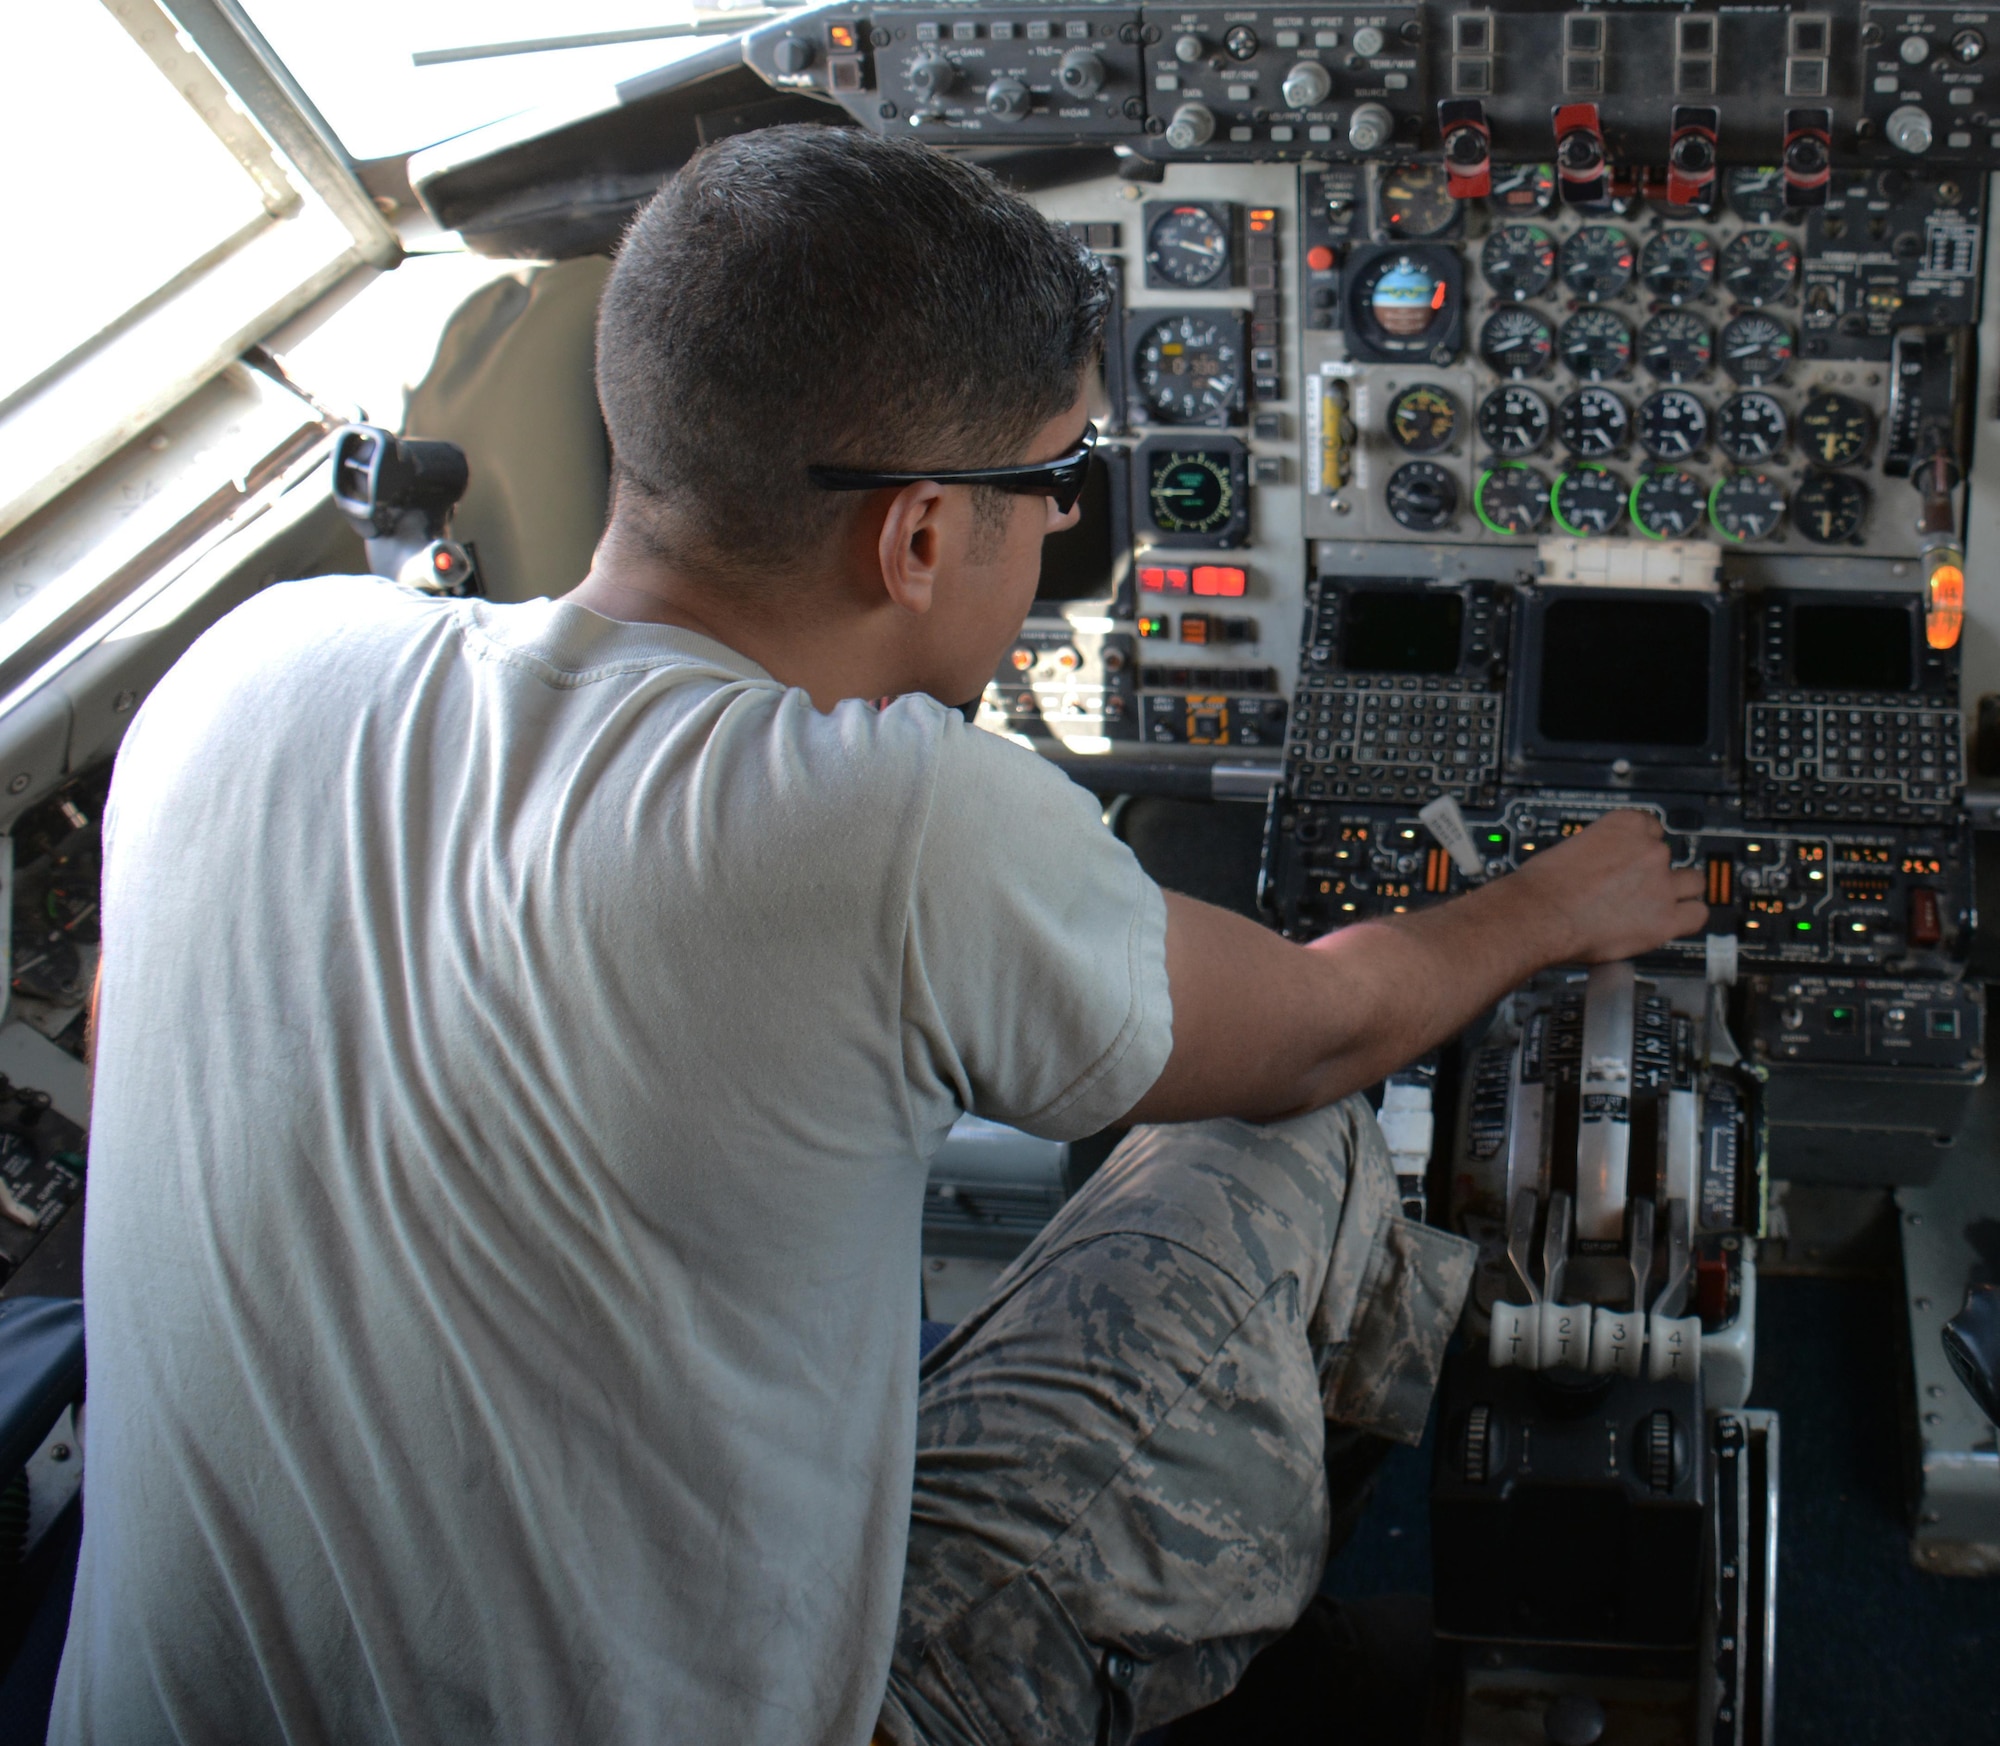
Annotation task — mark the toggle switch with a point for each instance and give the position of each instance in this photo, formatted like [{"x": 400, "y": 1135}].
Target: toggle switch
[
  {"x": 1692, "y": 153},
  {"x": 1580, "y": 156},
  {"x": 1807, "y": 156},
  {"x": 1468, "y": 147}
]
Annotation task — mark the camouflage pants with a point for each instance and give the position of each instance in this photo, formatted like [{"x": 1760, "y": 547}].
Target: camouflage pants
[{"x": 1120, "y": 1491}]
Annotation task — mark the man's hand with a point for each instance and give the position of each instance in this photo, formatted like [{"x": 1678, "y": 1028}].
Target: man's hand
[
  {"x": 1612, "y": 889},
  {"x": 1264, "y": 1028}
]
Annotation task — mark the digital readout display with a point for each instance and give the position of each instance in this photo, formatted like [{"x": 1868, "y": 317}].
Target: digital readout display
[
  {"x": 1625, "y": 673},
  {"x": 1401, "y": 630},
  {"x": 1852, "y": 648}
]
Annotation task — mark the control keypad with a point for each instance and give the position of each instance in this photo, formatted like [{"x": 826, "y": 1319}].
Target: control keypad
[
  {"x": 1844, "y": 758},
  {"x": 1356, "y": 737}
]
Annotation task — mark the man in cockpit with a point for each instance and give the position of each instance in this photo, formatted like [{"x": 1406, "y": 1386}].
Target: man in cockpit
[{"x": 525, "y": 1028}]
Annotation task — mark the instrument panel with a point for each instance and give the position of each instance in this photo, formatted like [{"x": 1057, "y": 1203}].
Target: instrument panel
[{"x": 1552, "y": 409}]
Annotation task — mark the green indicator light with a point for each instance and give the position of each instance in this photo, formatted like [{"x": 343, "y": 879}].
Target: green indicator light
[
  {"x": 1495, "y": 837},
  {"x": 1838, "y": 1012},
  {"x": 1803, "y": 927}
]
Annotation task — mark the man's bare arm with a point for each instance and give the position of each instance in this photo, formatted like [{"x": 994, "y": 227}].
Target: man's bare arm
[{"x": 1264, "y": 1027}]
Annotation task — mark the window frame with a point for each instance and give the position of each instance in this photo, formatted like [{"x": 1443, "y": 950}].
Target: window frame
[{"x": 56, "y": 429}]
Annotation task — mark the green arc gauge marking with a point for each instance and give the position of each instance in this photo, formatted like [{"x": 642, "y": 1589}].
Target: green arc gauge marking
[
  {"x": 1714, "y": 520},
  {"x": 1632, "y": 507},
  {"x": 1555, "y": 508},
  {"x": 1479, "y": 497}
]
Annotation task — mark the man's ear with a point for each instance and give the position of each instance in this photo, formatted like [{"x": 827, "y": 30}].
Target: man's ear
[{"x": 912, "y": 544}]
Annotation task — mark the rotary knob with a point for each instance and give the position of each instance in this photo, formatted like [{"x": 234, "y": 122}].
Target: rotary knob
[
  {"x": 1909, "y": 130},
  {"x": 1306, "y": 85},
  {"x": 1081, "y": 73},
  {"x": 1368, "y": 40},
  {"x": 932, "y": 76},
  {"x": 1370, "y": 127},
  {"x": 794, "y": 54},
  {"x": 1008, "y": 99},
  {"x": 1189, "y": 48},
  {"x": 1193, "y": 126}
]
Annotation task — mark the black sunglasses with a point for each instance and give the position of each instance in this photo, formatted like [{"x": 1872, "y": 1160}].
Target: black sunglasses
[{"x": 1061, "y": 478}]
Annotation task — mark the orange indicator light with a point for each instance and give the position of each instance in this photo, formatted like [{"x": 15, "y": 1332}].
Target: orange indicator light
[{"x": 1944, "y": 614}]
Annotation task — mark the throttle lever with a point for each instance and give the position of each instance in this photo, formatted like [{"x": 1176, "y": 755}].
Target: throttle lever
[{"x": 1972, "y": 1343}]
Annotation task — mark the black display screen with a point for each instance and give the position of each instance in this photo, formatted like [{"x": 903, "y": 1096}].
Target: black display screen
[
  {"x": 1851, "y": 648},
  {"x": 1080, "y": 563},
  {"x": 1625, "y": 673},
  {"x": 1400, "y": 630}
]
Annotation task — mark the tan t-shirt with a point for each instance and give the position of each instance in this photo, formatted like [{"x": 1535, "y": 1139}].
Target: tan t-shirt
[{"x": 523, "y": 1037}]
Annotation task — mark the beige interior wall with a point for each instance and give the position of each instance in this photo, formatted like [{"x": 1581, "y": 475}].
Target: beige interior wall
[{"x": 511, "y": 384}]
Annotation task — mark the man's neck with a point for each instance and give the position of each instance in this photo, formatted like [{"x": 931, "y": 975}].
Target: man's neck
[{"x": 803, "y": 640}]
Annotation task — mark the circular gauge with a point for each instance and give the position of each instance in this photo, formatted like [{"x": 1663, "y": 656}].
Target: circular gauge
[
  {"x": 1190, "y": 369},
  {"x": 1188, "y": 246},
  {"x": 1597, "y": 344},
  {"x": 1668, "y": 503},
  {"x": 1423, "y": 419},
  {"x": 1747, "y": 506},
  {"x": 1757, "y": 195},
  {"x": 1672, "y": 424},
  {"x": 1417, "y": 201},
  {"x": 1512, "y": 498},
  {"x": 1191, "y": 492},
  {"x": 1676, "y": 346},
  {"x": 1829, "y": 508},
  {"x": 1522, "y": 188},
  {"x": 1519, "y": 261},
  {"x": 1752, "y": 427},
  {"x": 1516, "y": 342},
  {"x": 1760, "y": 267},
  {"x": 1835, "y": 429},
  {"x": 1677, "y": 265},
  {"x": 1594, "y": 422},
  {"x": 1422, "y": 496},
  {"x": 1404, "y": 298},
  {"x": 1514, "y": 420},
  {"x": 1588, "y": 500},
  {"x": 1756, "y": 349},
  {"x": 1597, "y": 262}
]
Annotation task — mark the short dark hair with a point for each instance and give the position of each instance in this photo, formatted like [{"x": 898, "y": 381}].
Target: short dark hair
[{"x": 820, "y": 295}]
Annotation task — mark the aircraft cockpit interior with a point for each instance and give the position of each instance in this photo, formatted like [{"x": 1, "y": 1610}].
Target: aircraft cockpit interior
[{"x": 1507, "y": 415}]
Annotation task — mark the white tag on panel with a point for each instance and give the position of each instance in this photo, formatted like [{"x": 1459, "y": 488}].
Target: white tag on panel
[
  {"x": 1565, "y": 1335},
  {"x": 1516, "y": 1339},
  {"x": 1618, "y": 1342},
  {"x": 1674, "y": 1344},
  {"x": 1445, "y": 822}
]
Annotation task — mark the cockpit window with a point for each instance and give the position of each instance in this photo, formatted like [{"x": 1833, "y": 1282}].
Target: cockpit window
[{"x": 392, "y": 77}]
